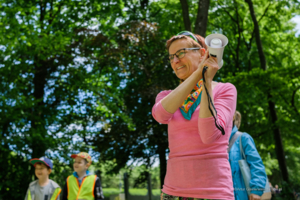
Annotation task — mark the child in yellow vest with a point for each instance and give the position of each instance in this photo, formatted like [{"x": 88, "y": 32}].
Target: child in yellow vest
[
  {"x": 81, "y": 184},
  {"x": 43, "y": 188}
]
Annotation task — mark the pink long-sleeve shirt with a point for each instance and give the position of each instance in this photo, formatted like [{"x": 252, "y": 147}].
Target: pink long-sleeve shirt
[{"x": 198, "y": 164}]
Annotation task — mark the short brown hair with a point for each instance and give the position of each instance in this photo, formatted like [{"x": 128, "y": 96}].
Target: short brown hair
[
  {"x": 237, "y": 119},
  {"x": 40, "y": 163},
  {"x": 192, "y": 43}
]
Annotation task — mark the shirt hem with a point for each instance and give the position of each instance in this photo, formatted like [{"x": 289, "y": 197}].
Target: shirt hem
[{"x": 219, "y": 197}]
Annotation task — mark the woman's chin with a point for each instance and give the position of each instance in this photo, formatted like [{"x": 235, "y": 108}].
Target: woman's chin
[{"x": 182, "y": 77}]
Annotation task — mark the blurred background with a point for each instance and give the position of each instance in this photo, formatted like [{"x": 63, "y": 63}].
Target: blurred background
[{"x": 82, "y": 75}]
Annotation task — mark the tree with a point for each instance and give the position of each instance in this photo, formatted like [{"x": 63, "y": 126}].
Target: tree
[
  {"x": 53, "y": 79},
  {"x": 146, "y": 75},
  {"x": 83, "y": 76},
  {"x": 202, "y": 16},
  {"x": 265, "y": 96},
  {"x": 233, "y": 20},
  {"x": 263, "y": 64}
]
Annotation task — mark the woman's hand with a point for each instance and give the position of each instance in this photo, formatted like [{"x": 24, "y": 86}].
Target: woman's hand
[
  {"x": 212, "y": 67},
  {"x": 254, "y": 197}
]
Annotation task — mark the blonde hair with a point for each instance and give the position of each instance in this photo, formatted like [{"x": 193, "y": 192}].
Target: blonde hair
[
  {"x": 237, "y": 119},
  {"x": 190, "y": 41}
]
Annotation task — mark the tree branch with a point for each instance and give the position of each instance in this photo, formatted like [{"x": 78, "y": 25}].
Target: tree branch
[
  {"x": 265, "y": 12},
  {"x": 252, "y": 34},
  {"x": 227, "y": 12}
]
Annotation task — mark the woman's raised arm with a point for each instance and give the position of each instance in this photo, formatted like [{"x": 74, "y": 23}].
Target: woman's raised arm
[{"x": 174, "y": 100}]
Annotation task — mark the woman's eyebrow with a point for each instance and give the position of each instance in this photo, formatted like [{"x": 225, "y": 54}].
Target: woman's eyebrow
[{"x": 177, "y": 51}]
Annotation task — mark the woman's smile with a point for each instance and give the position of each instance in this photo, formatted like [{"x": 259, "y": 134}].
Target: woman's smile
[
  {"x": 186, "y": 61},
  {"x": 178, "y": 68}
]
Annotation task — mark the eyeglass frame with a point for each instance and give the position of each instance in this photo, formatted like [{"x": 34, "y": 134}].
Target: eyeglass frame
[{"x": 175, "y": 54}]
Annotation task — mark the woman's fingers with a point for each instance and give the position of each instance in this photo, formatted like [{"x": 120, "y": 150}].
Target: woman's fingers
[
  {"x": 213, "y": 59},
  {"x": 204, "y": 59},
  {"x": 254, "y": 197},
  {"x": 206, "y": 54},
  {"x": 213, "y": 67},
  {"x": 212, "y": 62}
]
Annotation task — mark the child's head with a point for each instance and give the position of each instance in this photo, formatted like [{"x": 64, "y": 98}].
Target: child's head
[
  {"x": 43, "y": 167},
  {"x": 82, "y": 162}
]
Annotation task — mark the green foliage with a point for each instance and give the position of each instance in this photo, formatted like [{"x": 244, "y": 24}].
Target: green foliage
[
  {"x": 146, "y": 74},
  {"x": 136, "y": 174},
  {"x": 54, "y": 94},
  {"x": 280, "y": 79},
  {"x": 83, "y": 76}
]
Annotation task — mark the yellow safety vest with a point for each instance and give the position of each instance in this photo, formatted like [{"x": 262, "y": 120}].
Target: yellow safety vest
[
  {"x": 86, "y": 189},
  {"x": 54, "y": 195}
]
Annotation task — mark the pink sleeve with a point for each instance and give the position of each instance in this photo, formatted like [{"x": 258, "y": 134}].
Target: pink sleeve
[
  {"x": 158, "y": 112},
  {"x": 225, "y": 104}
]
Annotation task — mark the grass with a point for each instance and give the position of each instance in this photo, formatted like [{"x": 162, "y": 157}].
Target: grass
[
  {"x": 111, "y": 191},
  {"x": 134, "y": 191}
]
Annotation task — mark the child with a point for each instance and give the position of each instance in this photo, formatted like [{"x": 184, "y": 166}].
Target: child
[
  {"x": 81, "y": 184},
  {"x": 43, "y": 188}
]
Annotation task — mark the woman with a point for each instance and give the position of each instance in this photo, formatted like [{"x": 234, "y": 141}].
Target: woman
[
  {"x": 198, "y": 166},
  {"x": 257, "y": 168}
]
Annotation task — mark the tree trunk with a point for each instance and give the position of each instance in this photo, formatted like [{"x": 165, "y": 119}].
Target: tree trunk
[
  {"x": 261, "y": 54},
  {"x": 185, "y": 13},
  {"x": 202, "y": 17},
  {"x": 38, "y": 124},
  {"x": 278, "y": 142},
  {"x": 240, "y": 30},
  {"x": 276, "y": 130}
]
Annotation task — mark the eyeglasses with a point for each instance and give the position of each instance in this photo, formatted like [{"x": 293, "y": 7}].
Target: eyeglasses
[{"x": 180, "y": 53}]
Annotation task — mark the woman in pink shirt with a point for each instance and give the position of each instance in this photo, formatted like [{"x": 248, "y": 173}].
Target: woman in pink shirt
[{"x": 198, "y": 166}]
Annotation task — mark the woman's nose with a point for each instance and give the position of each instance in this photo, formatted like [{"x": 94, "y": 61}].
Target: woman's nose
[{"x": 175, "y": 59}]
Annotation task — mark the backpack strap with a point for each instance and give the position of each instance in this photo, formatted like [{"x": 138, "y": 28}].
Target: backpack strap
[
  {"x": 241, "y": 148},
  {"x": 233, "y": 139}
]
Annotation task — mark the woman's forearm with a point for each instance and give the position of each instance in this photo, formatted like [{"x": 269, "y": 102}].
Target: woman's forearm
[{"x": 174, "y": 100}]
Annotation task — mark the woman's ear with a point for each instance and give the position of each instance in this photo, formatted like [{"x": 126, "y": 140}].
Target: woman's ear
[{"x": 202, "y": 51}]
